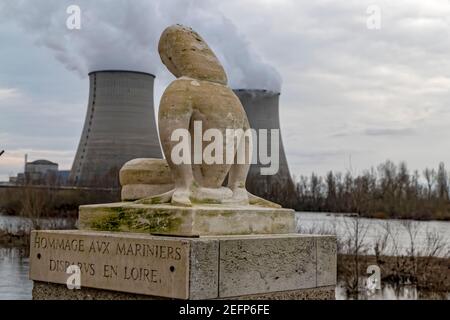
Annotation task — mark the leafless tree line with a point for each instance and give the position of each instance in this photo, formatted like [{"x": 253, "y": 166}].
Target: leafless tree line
[
  {"x": 36, "y": 203},
  {"x": 390, "y": 191}
]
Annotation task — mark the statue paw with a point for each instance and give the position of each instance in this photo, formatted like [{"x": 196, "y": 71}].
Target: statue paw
[
  {"x": 181, "y": 197},
  {"x": 203, "y": 195},
  {"x": 239, "y": 197}
]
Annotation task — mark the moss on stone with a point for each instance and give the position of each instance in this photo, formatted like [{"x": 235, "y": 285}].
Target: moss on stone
[
  {"x": 155, "y": 200},
  {"x": 203, "y": 201},
  {"x": 110, "y": 222},
  {"x": 136, "y": 220},
  {"x": 218, "y": 213},
  {"x": 227, "y": 213}
]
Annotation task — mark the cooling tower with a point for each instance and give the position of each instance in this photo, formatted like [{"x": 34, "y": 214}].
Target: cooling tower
[
  {"x": 120, "y": 126},
  {"x": 262, "y": 111}
]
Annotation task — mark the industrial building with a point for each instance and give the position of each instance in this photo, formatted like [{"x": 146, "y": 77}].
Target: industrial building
[
  {"x": 40, "y": 167},
  {"x": 262, "y": 108},
  {"x": 40, "y": 172},
  {"x": 119, "y": 126}
]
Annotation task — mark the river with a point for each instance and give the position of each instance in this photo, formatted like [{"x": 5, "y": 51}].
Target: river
[
  {"x": 14, "y": 263},
  {"x": 402, "y": 235}
]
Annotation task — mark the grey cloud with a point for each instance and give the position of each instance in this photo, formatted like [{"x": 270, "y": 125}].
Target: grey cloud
[
  {"x": 124, "y": 35},
  {"x": 384, "y": 93},
  {"x": 322, "y": 155},
  {"x": 376, "y": 132},
  {"x": 388, "y": 132}
]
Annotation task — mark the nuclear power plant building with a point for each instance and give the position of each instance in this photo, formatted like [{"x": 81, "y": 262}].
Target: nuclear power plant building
[
  {"x": 262, "y": 108},
  {"x": 120, "y": 126}
]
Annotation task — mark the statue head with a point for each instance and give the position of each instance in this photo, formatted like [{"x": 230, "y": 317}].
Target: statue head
[{"x": 184, "y": 52}]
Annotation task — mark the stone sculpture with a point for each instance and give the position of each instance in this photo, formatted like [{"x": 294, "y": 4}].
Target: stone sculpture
[
  {"x": 143, "y": 177},
  {"x": 200, "y": 94},
  {"x": 192, "y": 198}
]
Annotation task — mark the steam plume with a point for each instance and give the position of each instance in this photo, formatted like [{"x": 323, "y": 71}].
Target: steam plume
[{"x": 123, "y": 34}]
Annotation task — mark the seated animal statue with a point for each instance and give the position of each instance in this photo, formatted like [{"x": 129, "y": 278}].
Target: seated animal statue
[{"x": 200, "y": 95}]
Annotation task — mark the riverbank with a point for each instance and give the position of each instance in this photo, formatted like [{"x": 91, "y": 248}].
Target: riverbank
[
  {"x": 430, "y": 276},
  {"x": 414, "y": 217},
  {"x": 14, "y": 240},
  {"x": 387, "y": 191},
  {"x": 52, "y": 201},
  {"x": 42, "y": 201},
  {"x": 15, "y": 231},
  {"x": 385, "y": 216}
]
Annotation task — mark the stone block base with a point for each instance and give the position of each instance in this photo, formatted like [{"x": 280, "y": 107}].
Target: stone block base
[
  {"x": 128, "y": 265},
  {"x": 53, "y": 291},
  {"x": 206, "y": 219}
]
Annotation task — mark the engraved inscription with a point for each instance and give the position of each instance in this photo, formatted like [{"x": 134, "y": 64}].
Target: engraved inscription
[{"x": 129, "y": 263}]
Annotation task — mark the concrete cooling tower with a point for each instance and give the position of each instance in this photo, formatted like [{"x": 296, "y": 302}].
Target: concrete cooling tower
[
  {"x": 262, "y": 108},
  {"x": 120, "y": 126}
]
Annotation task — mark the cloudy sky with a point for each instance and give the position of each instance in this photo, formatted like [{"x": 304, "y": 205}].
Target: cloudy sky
[{"x": 351, "y": 96}]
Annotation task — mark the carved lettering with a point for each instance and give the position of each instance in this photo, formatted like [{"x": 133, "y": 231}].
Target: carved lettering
[
  {"x": 147, "y": 250},
  {"x": 62, "y": 265},
  {"x": 141, "y": 274},
  {"x": 132, "y": 263}
]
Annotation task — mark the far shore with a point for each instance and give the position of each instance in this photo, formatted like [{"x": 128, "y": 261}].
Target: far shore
[{"x": 383, "y": 216}]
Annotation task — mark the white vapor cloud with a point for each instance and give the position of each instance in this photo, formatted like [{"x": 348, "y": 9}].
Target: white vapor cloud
[{"x": 125, "y": 34}]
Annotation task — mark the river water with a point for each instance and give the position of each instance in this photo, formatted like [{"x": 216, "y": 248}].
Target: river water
[
  {"x": 14, "y": 282},
  {"x": 14, "y": 263},
  {"x": 16, "y": 225},
  {"x": 401, "y": 235}
]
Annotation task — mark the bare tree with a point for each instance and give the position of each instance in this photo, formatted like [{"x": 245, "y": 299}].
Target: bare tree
[
  {"x": 430, "y": 176},
  {"x": 442, "y": 182},
  {"x": 355, "y": 246},
  {"x": 381, "y": 243}
]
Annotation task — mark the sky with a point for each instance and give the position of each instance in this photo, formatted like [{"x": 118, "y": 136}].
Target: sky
[{"x": 353, "y": 93}]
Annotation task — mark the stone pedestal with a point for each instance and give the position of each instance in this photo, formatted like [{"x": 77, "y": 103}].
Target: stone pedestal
[
  {"x": 135, "y": 266},
  {"x": 201, "y": 219}
]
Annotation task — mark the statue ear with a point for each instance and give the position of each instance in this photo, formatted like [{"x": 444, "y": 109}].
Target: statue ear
[
  {"x": 185, "y": 53},
  {"x": 170, "y": 65},
  {"x": 166, "y": 57}
]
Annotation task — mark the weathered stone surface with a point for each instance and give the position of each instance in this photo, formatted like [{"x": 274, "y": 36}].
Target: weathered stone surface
[
  {"x": 258, "y": 265},
  {"x": 197, "y": 101},
  {"x": 204, "y": 269},
  {"x": 210, "y": 267},
  {"x": 319, "y": 293},
  {"x": 188, "y": 221},
  {"x": 145, "y": 177},
  {"x": 326, "y": 260},
  {"x": 53, "y": 291},
  {"x": 148, "y": 171},
  {"x": 185, "y": 53},
  {"x": 131, "y": 192},
  {"x": 115, "y": 261}
]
